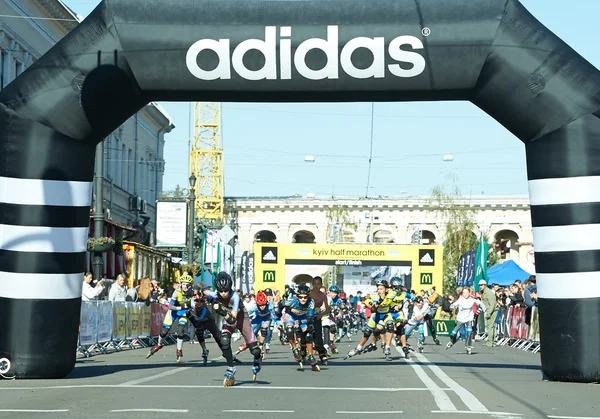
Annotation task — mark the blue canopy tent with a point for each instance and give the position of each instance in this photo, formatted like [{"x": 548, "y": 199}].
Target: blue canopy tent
[{"x": 506, "y": 273}]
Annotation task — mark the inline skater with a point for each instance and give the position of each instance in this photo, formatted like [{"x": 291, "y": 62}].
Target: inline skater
[
  {"x": 464, "y": 317},
  {"x": 202, "y": 319},
  {"x": 335, "y": 303},
  {"x": 321, "y": 308},
  {"x": 260, "y": 315},
  {"x": 232, "y": 315},
  {"x": 179, "y": 303},
  {"x": 299, "y": 322},
  {"x": 416, "y": 321},
  {"x": 381, "y": 322}
]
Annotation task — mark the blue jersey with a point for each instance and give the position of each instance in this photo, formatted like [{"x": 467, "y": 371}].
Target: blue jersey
[
  {"x": 263, "y": 315},
  {"x": 232, "y": 302},
  {"x": 296, "y": 309}
]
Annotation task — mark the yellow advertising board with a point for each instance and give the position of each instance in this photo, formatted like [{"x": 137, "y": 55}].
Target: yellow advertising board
[{"x": 421, "y": 263}]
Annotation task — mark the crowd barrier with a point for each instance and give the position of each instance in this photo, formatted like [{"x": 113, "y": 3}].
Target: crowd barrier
[
  {"x": 107, "y": 326},
  {"x": 511, "y": 328}
]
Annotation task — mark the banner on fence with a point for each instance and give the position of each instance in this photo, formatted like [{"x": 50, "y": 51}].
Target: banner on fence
[
  {"x": 88, "y": 323},
  {"x": 105, "y": 321},
  {"x": 145, "y": 321},
  {"x": 119, "y": 321},
  {"x": 133, "y": 320},
  {"x": 158, "y": 314},
  {"x": 444, "y": 327}
]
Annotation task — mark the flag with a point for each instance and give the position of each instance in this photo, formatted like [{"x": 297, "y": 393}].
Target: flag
[
  {"x": 466, "y": 269},
  {"x": 481, "y": 263}
]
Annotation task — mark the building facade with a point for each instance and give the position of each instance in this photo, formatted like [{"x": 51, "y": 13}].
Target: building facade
[
  {"x": 133, "y": 154},
  {"x": 504, "y": 220},
  {"x": 133, "y": 163}
]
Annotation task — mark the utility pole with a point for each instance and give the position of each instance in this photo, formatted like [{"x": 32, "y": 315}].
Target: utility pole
[{"x": 98, "y": 262}]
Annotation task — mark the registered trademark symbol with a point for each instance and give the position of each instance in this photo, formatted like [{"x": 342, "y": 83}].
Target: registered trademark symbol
[{"x": 426, "y": 31}]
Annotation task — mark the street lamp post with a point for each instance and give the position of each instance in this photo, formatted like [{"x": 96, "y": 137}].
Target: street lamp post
[{"x": 192, "y": 198}]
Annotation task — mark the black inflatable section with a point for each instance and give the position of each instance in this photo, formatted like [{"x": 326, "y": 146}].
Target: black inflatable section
[{"x": 493, "y": 53}]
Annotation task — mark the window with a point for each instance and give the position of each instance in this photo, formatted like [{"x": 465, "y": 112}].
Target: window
[
  {"x": 3, "y": 59},
  {"x": 130, "y": 168},
  {"x": 115, "y": 162},
  {"x": 109, "y": 153},
  {"x": 123, "y": 163}
]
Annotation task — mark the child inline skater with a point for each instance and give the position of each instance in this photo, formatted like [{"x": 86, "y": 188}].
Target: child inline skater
[
  {"x": 464, "y": 318},
  {"x": 231, "y": 316},
  {"x": 179, "y": 304}
]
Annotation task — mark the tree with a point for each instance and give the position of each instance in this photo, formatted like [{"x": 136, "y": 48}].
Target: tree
[
  {"x": 338, "y": 217},
  {"x": 178, "y": 194},
  {"x": 460, "y": 222}
]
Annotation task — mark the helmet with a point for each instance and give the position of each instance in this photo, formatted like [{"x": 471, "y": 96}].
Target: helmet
[
  {"x": 343, "y": 295},
  {"x": 396, "y": 282},
  {"x": 223, "y": 282},
  {"x": 261, "y": 299},
  {"x": 199, "y": 298},
  {"x": 334, "y": 288},
  {"x": 303, "y": 289},
  {"x": 383, "y": 282},
  {"x": 186, "y": 279},
  {"x": 269, "y": 291}
]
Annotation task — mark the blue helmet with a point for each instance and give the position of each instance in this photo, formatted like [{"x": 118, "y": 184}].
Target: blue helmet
[{"x": 334, "y": 288}]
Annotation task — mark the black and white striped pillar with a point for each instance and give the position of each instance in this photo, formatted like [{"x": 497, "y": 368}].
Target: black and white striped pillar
[
  {"x": 45, "y": 197},
  {"x": 564, "y": 187}
]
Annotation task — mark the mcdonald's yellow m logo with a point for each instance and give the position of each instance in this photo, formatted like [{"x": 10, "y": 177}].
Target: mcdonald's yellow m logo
[
  {"x": 268, "y": 276},
  {"x": 441, "y": 327},
  {"x": 426, "y": 279}
]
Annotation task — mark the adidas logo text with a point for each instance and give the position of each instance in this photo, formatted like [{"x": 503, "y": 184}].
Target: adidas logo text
[{"x": 274, "y": 69}]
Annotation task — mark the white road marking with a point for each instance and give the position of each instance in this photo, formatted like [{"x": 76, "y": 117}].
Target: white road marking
[
  {"x": 356, "y": 412},
  {"x": 486, "y": 412},
  {"x": 441, "y": 399},
  {"x": 152, "y": 410},
  {"x": 154, "y": 377},
  {"x": 573, "y": 417},
  {"x": 34, "y": 410},
  {"x": 250, "y": 387},
  {"x": 468, "y": 398},
  {"x": 257, "y": 411}
]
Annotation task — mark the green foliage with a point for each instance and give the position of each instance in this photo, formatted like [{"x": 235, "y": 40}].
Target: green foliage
[
  {"x": 178, "y": 194},
  {"x": 459, "y": 218},
  {"x": 339, "y": 215}
]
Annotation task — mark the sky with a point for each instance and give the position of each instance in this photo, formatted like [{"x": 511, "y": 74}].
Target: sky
[{"x": 265, "y": 144}]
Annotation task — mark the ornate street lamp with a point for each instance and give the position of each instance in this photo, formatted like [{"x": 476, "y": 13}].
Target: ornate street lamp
[{"x": 192, "y": 198}]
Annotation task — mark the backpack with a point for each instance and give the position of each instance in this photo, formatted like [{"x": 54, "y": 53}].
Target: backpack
[{"x": 439, "y": 301}]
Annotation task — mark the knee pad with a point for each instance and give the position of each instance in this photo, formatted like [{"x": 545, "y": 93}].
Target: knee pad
[
  {"x": 200, "y": 335},
  {"x": 164, "y": 332},
  {"x": 264, "y": 331},
  {"x": 225, "y": 341},
  {"x": 376, "y": 333},
  {"x": 389, "y": 326},
  {"x": 333, "y": 329},
  {"x": 309, "y": 336},
  {"x": 254, "y": 349},
  {"x": 367, "y": 332},
  {"x": 400, "y": 329},
  {"x": 468, "y": 330},
  {"x": 180, "y": 330},
  {"x": 289, "y": 332}
]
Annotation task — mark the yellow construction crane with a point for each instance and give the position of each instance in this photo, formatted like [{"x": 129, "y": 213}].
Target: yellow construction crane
[{"x": 206, "y": 161}]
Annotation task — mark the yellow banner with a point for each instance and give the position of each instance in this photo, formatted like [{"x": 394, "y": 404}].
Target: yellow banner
[
  {"x": 119, "y": 321},
  {"x": 422, "y": 264}
]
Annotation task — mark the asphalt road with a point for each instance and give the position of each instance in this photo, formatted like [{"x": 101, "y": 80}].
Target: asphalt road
[{"x": 501, "y": 383}]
